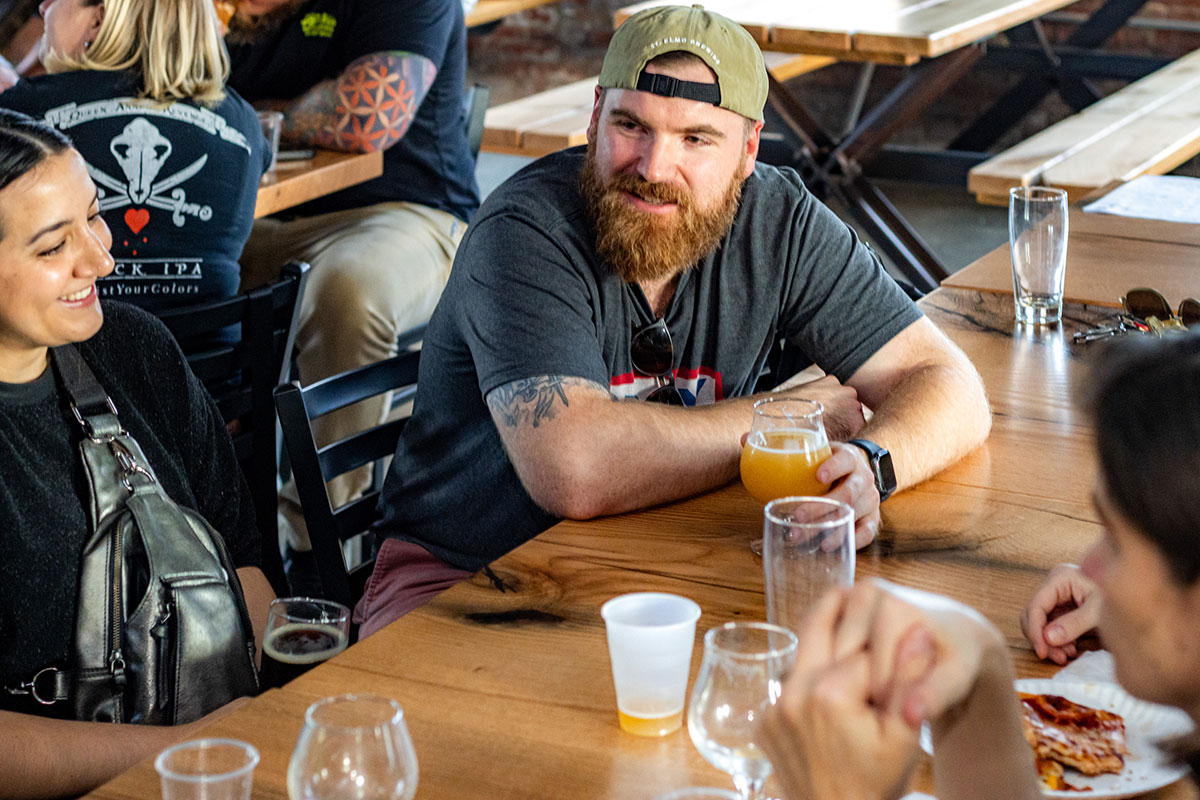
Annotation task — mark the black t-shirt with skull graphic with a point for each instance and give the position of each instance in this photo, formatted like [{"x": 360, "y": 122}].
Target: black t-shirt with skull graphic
[{"x": 177, "y": 182}]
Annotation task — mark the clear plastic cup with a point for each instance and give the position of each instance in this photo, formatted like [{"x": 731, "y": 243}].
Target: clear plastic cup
[
  {"x": 207, "y": 769},
  {"x": 650, "y": 639}
]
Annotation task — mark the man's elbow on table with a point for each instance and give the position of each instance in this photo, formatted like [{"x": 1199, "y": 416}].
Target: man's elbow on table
[{"x": 569, "y": 482}]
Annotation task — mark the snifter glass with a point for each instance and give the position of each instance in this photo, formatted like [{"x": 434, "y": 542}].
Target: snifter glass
[
  {"x": 301, "y": 633},
  {"x": 740, "y": 678},
  {"x": 353, "y": 747}
]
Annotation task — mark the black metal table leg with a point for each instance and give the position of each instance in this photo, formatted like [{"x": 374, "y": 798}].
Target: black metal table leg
[{"x": 1017, "y": 101}]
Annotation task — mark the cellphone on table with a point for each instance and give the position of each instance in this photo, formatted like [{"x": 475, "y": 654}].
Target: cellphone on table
[{"x": 296, "y": 154}]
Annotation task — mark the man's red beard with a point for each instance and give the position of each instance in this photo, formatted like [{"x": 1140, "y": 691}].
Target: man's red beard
[
  {"x": 248, "y": 30},
  {"x": 642, "y": 246}
]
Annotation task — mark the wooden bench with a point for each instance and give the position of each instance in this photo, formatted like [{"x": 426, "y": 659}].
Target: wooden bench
[
  {"x": 1150, "y": 126},
  {"x": 558, "y": 118}
]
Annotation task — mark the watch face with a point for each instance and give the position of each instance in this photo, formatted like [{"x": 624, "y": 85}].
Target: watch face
[{"x": 885, "y": 476}]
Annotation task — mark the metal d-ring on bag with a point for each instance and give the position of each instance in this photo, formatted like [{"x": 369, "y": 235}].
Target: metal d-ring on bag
[{"x": 162, "y": 635}]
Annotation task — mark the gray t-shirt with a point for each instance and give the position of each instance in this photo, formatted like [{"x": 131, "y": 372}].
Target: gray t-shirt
[{"x": 529, "y": 296}]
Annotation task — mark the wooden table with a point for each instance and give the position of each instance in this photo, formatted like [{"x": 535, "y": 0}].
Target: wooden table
[
  {"x": 1106, "y": 256},
  {"x": 940, "y": 39},
  {"x": 508, "y": 694},
  {"x": 294, "y": 182}
]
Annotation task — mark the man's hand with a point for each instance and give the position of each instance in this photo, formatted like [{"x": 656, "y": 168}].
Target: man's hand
[
  {"x": 843, "y": 416},
  {"x": 825, "y": 738},
  {"x": 1065, "y": 607},
  {"x": 853, "y": 483}
]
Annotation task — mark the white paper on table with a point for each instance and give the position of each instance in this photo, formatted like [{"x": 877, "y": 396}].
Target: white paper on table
[
  {"x": 1174, "y": 198},
  {"x": 1092, "y": 665}
]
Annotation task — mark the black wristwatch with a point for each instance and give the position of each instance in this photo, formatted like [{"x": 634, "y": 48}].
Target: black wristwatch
[{"x": 881, "y": 464}]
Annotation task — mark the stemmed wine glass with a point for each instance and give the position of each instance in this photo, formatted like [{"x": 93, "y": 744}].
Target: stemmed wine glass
[
  {"x": 353, "y": 747},
  {"x": 740, "y": 677}
]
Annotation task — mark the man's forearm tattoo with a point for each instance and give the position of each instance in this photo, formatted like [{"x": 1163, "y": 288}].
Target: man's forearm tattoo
[
  {"x": 533, "y": 400},
  {"x": 368, "y": 107}
]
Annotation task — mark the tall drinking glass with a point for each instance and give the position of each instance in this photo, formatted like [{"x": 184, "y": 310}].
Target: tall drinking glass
[
  {"x": 301, "y": 633},
  {"x": 1037, "y": 237},
  {"x": 740, "y": 677},
  {"x": 353, "y": 747},
  {"x": 808, "y": 548}
]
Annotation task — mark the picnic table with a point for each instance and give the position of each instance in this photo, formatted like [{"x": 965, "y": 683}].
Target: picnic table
[
  {"x": 292, "y": 183},
  {"x": 507, "y": 690}
]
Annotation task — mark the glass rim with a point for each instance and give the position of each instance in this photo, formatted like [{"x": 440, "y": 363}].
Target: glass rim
[
  {"x": 763, "y": 407},
  {"x": 710, "y": 640},
  {"x": 841, "y": 519},
  {"x": 310, "y": 718},
  {"x": 693, "y": 609},
  {"x": 252, "y": 759},
  {"x": 1036, "y": 192},
  {"x": 332, "y": 613},
  {"x": 686, "y": 792}
]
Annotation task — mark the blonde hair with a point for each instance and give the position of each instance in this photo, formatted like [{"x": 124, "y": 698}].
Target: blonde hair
[{"x": 175, "y": 44}]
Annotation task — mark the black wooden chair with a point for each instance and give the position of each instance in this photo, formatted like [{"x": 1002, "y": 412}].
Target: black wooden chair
[
  {"x": 240, "y": 377},
  {"x": 330, "y": 528}
]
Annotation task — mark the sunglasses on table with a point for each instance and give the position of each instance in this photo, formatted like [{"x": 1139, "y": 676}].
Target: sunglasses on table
[
  {"x": 1146, "y": 311},
  {"x": 652, "y": 354},
  {"x": 1150, "y": 306}
]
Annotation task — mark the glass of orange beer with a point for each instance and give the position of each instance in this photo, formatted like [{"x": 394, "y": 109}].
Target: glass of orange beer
[{"x": 787, "y": 443}]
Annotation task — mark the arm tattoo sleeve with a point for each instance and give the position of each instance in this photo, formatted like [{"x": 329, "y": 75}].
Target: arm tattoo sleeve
[
  {"x": 367, "y": 108},
  {"x": 533, "y": 400}
]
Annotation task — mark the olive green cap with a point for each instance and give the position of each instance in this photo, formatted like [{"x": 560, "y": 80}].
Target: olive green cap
[{"x": 726, "y": 47}]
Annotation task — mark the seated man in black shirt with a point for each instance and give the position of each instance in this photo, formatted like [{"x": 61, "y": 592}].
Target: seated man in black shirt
[{"x": 364, "y": 76}]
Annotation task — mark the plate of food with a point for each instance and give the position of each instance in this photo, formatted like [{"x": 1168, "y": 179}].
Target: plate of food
[{"x": 1095, "y": 740}]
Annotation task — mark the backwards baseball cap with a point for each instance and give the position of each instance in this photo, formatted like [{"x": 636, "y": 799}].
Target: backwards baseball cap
[{"x": 721, "y": 43}]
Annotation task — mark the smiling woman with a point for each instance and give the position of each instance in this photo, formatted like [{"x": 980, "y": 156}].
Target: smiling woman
[
  {"x": 54, "y": 247},
  {"x": 53, "y": 250}
]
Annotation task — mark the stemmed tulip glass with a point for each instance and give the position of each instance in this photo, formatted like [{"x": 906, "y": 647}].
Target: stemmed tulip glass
[
  {"x": 353, "y": 747},
  {"x": 740, "y": 677},
  {"x": 787, "y": 443}
]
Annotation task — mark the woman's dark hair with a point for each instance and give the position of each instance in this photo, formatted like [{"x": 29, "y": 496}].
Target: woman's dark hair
[
  {"x": 24, "y": 143},
  {"x": 1146, "y": 405}
]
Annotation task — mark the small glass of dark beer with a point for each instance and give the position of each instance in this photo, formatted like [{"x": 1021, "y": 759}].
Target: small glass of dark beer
[{"x": 301, "y": 633}]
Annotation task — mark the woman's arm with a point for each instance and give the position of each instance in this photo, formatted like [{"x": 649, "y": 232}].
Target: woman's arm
[{"x": 41, "y": 758}]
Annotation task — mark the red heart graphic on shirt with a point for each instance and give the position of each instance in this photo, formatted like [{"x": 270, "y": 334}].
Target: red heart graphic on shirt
[{"x": 136, "y": 219}]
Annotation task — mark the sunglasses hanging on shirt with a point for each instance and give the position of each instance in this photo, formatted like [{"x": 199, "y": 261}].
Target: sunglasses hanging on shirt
[{"x": 652, "y": 354}]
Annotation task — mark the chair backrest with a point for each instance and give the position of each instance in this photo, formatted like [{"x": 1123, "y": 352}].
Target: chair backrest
[
  {"x": 475, "y": 102},
  {"x": 240, "y": 375},
  {"x": 328, "y": 527}
]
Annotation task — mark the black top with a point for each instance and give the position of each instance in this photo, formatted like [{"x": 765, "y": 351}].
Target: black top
[
  {"x": 177, "y": 183},
  {"x": 529, "y": 296},
  {"x": 432, "y": 164},
  {"x": 43, "y": 493}
]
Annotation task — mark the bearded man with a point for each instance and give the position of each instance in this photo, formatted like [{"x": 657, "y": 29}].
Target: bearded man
[{"x": 662, "y": 264}]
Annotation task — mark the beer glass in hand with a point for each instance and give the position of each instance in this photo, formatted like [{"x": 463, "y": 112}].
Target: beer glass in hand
[
  {"x": 787, "y": 443},
  {"x": 301, "y": 633}
]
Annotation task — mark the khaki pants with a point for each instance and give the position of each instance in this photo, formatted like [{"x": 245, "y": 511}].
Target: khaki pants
[{"x": 376, "y": 272}]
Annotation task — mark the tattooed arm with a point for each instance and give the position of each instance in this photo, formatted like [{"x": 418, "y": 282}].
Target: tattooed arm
[
  {"x": 365, "y": 109},
  {"x": 580, "y": 453}
]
